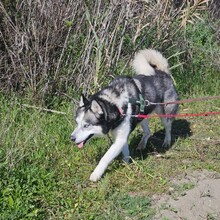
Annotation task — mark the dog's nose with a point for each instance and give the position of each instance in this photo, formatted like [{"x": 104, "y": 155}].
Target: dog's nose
[{"x": 72, "y": 137}]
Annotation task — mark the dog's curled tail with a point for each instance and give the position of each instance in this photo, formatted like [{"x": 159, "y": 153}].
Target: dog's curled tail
[{"x": 146, "y": 61}]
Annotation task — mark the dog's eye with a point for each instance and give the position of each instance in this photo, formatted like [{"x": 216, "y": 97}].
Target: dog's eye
[{"x": 86, "y": 125}]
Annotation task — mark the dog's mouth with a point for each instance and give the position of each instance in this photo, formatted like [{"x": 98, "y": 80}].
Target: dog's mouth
[{"x": 81, "y": 144}]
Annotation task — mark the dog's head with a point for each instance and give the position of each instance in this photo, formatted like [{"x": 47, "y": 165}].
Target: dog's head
[{"x": 89, "y": 119}]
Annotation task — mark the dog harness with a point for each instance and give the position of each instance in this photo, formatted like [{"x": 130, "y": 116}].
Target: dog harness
[{"x": 141, "y": 101}]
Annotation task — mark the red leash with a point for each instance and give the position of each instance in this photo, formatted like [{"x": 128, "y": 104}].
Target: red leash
[
  {"x": 176, "y": 115},
  {"x": 173, "y": 115},
  {"x": 184, "y": 100}
]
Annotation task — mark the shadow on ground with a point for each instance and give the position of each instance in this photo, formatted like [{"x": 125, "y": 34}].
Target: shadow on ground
[{"x": 180, "y": 129}]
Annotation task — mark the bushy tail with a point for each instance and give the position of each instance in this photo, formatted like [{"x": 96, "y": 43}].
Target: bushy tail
[{"x": 146, "y": 61}]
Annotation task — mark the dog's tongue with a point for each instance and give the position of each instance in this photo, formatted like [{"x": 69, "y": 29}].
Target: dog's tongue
[{"x": 80, "y": 145}]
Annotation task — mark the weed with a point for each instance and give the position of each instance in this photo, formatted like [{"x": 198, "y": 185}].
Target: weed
[
  {"x": 44, "y": 176},
  {"x": 134, "y": 207}
]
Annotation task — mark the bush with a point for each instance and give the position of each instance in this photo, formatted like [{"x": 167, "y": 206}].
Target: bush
[{"x": 52, "y": 47}]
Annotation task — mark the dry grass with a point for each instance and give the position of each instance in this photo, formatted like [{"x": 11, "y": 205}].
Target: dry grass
[
  {"x": 52, "y": 47},
  {"x": 49, "y": 47}
]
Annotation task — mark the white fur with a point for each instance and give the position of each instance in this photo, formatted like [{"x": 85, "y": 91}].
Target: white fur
[
  {"x": 82, "y": 133},
  {"x": 120, "y": 144},
  {"x": 142, "y": 65},
  {"x": 96, "y": 107},
  {"x": 144, "y": 58}
]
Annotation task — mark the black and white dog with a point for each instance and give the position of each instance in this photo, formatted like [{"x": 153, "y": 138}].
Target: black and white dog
[{"x": 111, "y": 109}]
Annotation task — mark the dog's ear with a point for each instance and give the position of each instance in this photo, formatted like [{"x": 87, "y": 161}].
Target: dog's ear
[
  {"x": 96, "y": 108},
  {"x": 83, "y": 101}
]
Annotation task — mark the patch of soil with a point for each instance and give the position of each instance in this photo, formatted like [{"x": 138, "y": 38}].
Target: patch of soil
[{"x": 194, "y": 196}]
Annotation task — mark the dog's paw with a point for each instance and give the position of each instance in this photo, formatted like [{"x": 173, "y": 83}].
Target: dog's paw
[
  {"x": 94, "y": 177},
  {"x": 166, "y": 145},
  {"x": 126, "y": 159},
  {"x": 141, "y": 146}
]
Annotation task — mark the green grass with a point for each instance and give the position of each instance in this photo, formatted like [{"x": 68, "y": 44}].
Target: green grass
[{"x": 45, "y": 176}]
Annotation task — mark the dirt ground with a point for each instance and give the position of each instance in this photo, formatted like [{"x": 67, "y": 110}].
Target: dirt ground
[{"x": 193, "y": 196}]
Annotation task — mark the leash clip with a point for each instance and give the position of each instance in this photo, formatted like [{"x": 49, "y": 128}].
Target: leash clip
[{"x": 147, "y": 103}]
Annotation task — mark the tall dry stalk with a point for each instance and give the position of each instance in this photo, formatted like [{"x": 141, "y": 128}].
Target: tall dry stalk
[{"x": 48, "y": 46}]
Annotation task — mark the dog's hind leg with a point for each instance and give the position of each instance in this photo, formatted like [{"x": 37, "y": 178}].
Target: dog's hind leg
[
  {"x": 169, "y": 96},
  {"x": 146, "y": 135},
  {"x": 167, "y": 122}
]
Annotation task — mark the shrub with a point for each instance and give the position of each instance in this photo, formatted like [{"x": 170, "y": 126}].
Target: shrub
[{"x": 50, "y": 47}]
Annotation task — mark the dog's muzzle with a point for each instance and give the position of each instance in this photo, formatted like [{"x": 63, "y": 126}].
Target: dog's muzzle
[
  {"x": 73, "y": 138},
  {"x": 80, "y": 144}
]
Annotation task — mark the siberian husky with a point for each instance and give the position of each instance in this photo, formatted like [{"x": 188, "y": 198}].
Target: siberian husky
[{"x": 111, "y": 109}]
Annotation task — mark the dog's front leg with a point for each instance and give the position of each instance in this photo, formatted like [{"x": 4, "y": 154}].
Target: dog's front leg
[
  {"x": 109, "y": 156},
  {"x": 120, "y": 144}
]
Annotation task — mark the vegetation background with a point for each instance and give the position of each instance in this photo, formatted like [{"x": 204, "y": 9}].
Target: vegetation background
[{"x": 50, "y": 52}]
